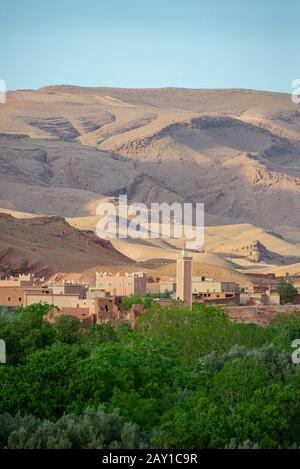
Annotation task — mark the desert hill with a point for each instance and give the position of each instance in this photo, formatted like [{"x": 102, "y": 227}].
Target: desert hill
[
  {"x": 65, "y": 149},
  {"x": 35, "y": 245},
  {"x": 235, "y": 150}
]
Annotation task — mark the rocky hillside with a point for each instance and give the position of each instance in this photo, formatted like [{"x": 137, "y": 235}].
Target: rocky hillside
[
  {"x": 36, "y": 245},
  {"x": 238, "y": 151}
]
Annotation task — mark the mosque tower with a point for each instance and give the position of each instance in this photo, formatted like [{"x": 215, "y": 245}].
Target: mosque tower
[{"x": 184, "y": 278}]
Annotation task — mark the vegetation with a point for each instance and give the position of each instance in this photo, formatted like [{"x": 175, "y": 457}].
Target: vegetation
[
  {"x": 146, "y": 300},
  {"x": 181, "y": 380},
  {"x": 287, "y": 292},
  {"x": 129, "y": 301},
  {"x": 163, "y": 295}
]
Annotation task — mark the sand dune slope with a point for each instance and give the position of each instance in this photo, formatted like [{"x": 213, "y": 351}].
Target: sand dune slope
[{"x": 65, "y": 149}]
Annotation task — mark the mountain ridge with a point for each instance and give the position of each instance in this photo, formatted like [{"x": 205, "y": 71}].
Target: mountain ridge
[{"x": 65, "y": 149}]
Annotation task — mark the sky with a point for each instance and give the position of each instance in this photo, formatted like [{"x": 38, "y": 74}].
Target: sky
[{"x": 148, "y": 44}]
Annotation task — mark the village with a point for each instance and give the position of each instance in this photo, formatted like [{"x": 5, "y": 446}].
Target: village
[{"x": 103, "y": 302}]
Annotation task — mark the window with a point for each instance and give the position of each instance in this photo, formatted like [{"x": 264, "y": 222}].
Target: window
[
  {"x": 129, "y": 284},
  {"x": 110, "y": 284},
  {"x": 20, "y": 298},
  {"x": 101, "y": 284},
  {"x": 9, "y": 298},
  {"x": 120, "y": 284}
]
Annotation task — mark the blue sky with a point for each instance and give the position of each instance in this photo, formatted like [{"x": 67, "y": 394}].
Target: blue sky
[{"x": 130, "y": 43}]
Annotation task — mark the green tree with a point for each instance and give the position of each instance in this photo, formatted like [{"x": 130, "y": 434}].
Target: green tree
[
  {"x": 4, "y": 312},
  {"x": 99, "y": 333},
  {"x": 270, "y": 418},
  {"x": 147, "y": 300},
  {"x": 93, "y": 429},
  {"x": 26, "y": 331},
  {"x": 237, "y": 381},
  {"x": 68, "y": 329},
  {"x": 40, "y": 386},
  {"x": 190, "y": 379},
  {"x": 128, "y": 301},
  {"x": 287, "y": 292}
]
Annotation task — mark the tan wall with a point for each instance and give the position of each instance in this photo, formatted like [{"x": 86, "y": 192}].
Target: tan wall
[
  {"x": 11, "y": 297},
  {"x": 272, "y": 299},
  {"x": 15, "y": 283},
  {"x": 66, "y": 289},
  {"x": 80, "y": 313},
  {"x": 21, "y": 280},
  {"x": 95, "y": 293},
  {"x": 58, "y": 289},
  {"x": 207, "y": 286},
  {"x": 221, "y": 298},
  {"x": 244, "y": 298},
  {"x": 171, "y": 286},
  {"x": 264, "y": 298},
  {"x": 61, "y": 301},
  {"x": 87, "y": 303},
  {"x": 153, "y": 287}
]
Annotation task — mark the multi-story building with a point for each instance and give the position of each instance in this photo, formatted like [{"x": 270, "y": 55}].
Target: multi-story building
[
  {"x": 61, "y": 300},
  {"x": 207, "y": 285},
  {"x": 107, "y": 310},
  {"x": 67, "y": 288},
  {"x": 22, "y": 280},
  {"x": 11, "y": 297},
  {"x": 222, "y": 298},
  {"x": 122, "y": 284},
  {"x": 90, "y": 306},
  {"x": 12, "y": 289}
]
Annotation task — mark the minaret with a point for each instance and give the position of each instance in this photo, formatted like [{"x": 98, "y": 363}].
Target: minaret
[{"x": 184, "y": 278}]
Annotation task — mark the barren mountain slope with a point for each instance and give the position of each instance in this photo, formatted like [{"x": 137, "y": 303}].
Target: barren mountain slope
[
  {"x": 245, "y": 246},
  {"x": 235, "y": 150},
  {"x": 35, "y": 245},
  {"x": 65, "y": 149}
]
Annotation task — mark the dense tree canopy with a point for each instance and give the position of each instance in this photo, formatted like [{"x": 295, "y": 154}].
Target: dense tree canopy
[
  {"x": 287, "y": 292},
  {"x": 183, "y": 379}
]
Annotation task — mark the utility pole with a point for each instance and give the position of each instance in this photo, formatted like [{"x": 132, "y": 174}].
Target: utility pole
[{"x": 62, "y": 239}]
